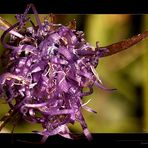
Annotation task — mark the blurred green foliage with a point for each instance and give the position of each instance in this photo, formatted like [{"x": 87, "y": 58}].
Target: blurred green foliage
[{"x": 124, "y": 110}]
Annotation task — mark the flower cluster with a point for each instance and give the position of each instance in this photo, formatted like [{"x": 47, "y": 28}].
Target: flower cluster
[{"x": 48, "y": 66}]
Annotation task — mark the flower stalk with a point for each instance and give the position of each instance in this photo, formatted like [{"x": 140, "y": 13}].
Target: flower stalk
[{"x": 125, "y": 44}]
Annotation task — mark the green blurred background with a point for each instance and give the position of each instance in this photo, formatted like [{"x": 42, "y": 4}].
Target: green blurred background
[{"x": 124, "y": 110}]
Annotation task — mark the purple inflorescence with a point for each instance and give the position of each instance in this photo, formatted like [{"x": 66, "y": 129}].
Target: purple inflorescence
[{"x": 46, "y": 73}]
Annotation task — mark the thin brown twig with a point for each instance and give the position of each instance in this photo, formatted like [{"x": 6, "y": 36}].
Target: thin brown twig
[{"x": 125, "y": 44}]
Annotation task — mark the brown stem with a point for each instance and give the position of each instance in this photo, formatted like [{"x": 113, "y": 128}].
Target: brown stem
[{"x": 122, "y": 45}]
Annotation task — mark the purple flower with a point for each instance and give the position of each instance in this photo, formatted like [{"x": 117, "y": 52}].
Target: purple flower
[{"x": 47, "y": 68}]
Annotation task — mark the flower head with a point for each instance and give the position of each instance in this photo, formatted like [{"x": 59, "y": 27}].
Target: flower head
[{"x": 46, "y": 71}]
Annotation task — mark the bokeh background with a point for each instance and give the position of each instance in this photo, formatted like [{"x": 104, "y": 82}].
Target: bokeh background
[{"x": 126, "y": 109}]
